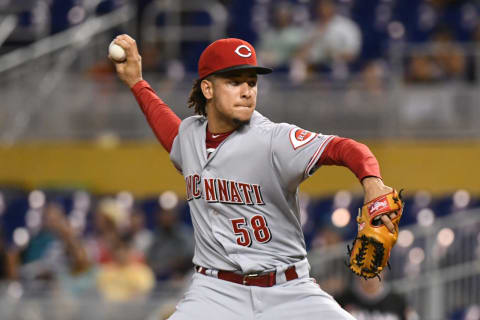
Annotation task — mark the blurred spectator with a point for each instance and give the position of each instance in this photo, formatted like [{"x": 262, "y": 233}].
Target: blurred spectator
[
  {"x": 3, "y": 257},
  {"x": 331, "y": 274},
  {"x": 142, "y": 238},
  {"x": 373, "y": 299},
  {"x": 333, "y": 42},
  {"x": 278, "y": 44},
  {"x": 43, "y": 256},
  {"x": 57, "y": 256},
  {"x": 325, "y": 237},
  {"x": 421, "y": 69},
  {"x": 365, "y": 98},
  {"x": 124, "y": 278},
  {"x": 449, "y": 56},
  {"x": 443, "y": 60},
  {"x": 374, "y": 77},
  {"x": 78, "y": 275},
  {"x": 473, "y": 60},
  {"x": 172, "y": 249},
  {"x": 7, "y": 265},
  {"x": 109, "y": 220},
  {"x": 471, "y": 312}
]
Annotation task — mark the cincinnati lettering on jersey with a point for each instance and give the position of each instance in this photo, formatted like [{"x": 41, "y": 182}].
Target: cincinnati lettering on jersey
[{"x": 222, "y": 190}]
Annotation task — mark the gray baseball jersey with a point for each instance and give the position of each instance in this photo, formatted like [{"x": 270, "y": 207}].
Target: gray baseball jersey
[{"x": 243, "y": 197}]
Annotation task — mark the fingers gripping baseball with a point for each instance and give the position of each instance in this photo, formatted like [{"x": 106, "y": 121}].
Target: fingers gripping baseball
[
  {"x": 387, "y": 221},
  {"x": 374, "y": 188},
  {"x": 129, "y": 71}
]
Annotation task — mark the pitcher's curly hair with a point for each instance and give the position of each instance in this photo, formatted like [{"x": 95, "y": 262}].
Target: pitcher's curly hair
[{"x": 196, "y": 99}]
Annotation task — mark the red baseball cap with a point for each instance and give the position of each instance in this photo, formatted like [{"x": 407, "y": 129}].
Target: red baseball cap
[{"x": 226, "y": 55}]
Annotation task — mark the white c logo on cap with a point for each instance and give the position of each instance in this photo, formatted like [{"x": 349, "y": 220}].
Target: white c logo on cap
[{"x": 237, "y": 51}]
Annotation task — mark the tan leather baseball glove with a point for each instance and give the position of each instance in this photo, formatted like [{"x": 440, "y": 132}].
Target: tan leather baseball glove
[{"x": 371, "y": 248}]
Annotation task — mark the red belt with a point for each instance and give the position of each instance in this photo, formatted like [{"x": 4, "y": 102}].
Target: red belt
[{"x": 253, "y": 279}]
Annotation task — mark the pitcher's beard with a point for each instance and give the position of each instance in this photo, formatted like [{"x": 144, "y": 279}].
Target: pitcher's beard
[{"x": 240, "y": 123}]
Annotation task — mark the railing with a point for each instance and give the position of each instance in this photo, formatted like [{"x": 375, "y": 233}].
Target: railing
[
  {"x": 11, "y": 28},
  {"x": 87, "y": 106},
  {"x": 30, "y": 75},
  {"x": 438, "y": 272},
  {"x": 17, "y": 302},
  {"x": 7, "y": 25}
]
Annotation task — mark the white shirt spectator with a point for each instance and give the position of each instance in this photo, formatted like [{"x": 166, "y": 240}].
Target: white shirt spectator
[
  {"x": 277, "y": 47},
  {"x": 339, "y": 39}
]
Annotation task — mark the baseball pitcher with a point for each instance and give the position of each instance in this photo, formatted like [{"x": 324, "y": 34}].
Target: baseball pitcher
[{"x": 242, "y": 173}]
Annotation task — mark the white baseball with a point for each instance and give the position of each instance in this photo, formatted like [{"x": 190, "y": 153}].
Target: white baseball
[{"x": 116, "y": 52}]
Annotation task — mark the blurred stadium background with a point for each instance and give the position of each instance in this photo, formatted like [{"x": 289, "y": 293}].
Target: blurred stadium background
[{"x": 79, "y": 164}]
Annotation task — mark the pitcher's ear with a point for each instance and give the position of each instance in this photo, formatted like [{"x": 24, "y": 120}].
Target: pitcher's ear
[{"x": 207, "y": 88}]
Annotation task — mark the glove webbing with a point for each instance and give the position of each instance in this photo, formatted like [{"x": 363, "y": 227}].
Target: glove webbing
[{"x": 378, "y": 253}]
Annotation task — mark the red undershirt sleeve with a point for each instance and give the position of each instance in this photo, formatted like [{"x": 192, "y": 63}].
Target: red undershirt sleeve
[
  {"x": 163, "y": 121},
  {"x": 352, "y": 154}
]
